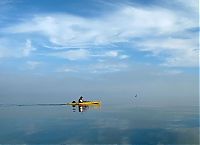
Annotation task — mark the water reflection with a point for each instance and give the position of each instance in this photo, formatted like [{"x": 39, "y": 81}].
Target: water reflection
[
  {"x": 109, "y": 125},
  {"x": 84, "y": 108}
]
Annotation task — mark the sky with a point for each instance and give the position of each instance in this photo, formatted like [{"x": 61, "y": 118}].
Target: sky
[{"x": 56, "y": 50}]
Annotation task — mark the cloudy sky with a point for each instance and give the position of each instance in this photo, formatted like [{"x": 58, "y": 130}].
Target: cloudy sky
[{"x": 53, "y": 49}]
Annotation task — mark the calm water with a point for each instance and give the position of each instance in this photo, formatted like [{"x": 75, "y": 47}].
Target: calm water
[{"x": 109, "y": 124}]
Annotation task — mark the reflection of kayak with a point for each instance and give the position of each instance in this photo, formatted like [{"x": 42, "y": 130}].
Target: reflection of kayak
[{"x": 85, "y": 103}]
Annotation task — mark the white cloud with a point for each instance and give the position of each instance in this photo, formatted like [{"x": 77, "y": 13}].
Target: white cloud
[
  {"x": 105, "y": 67},
  {"x": 181, "y": 52},
  {"x": 33, "y": 64},
  {"x": 119, "y": 26},
  {"x": 107, "y": 53},
  {"x": 81, "y": 54},
  {"x": 111, "y": 53},
  {"x": 124, "y": 56},
  {"x": 122, "y": 25},
  {"x": 67, "y": 69},
  {"x": 13, "y": 48},
  {"x": 185, "y": 58},
  {"x": 115, "y": 54},
  {"x": 26, "y": 51},
  {"x": 77, "y": 54}
]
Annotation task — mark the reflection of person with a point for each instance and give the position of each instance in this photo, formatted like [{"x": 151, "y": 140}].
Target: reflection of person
[
  {"x": 80, "y": 100},
  {"x": 82, "y": 108}
]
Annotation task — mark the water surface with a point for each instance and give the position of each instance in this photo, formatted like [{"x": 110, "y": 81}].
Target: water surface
[{"x": 108, "y": 124}]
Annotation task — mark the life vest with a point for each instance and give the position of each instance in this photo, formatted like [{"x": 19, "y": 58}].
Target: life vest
[{"x": 80, "y": 100}]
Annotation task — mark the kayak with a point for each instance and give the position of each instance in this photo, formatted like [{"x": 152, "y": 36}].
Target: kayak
[{"x": 85, "y": 103}]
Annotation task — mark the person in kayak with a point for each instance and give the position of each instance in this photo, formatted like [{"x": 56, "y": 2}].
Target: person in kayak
[{"x": 80, "y": 100}]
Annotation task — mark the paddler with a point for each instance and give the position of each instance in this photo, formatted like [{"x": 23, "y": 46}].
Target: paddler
[{"x": 80, "y": 100}]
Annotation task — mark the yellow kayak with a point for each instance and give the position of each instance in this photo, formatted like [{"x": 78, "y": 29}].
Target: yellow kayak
[{"x": 85, "y": 103}]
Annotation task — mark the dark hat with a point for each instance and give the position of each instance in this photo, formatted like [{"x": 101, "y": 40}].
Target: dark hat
[{"x": 81, "y": 97}]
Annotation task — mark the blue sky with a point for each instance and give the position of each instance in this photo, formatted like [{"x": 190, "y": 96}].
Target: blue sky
[{"x": 86, "y": 38}]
